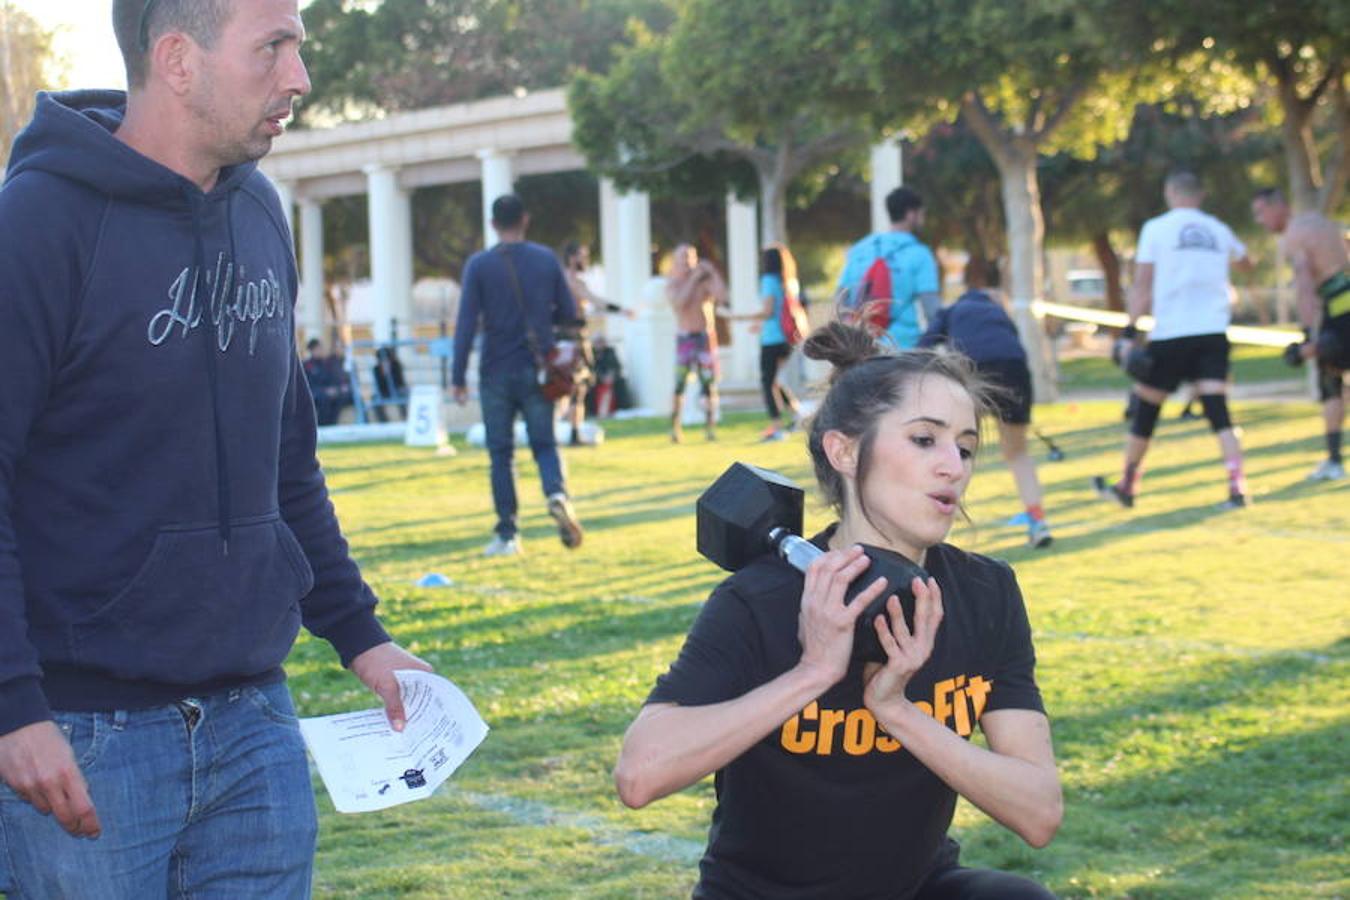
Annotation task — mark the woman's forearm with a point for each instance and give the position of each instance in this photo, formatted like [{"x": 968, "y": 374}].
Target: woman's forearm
[
  {"x": 669, "y": 747},
  {"x": 1021, "y": 792}
]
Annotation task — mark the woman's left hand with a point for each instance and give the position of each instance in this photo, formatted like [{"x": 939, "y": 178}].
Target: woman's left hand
[{"x": 906, "y": 652}]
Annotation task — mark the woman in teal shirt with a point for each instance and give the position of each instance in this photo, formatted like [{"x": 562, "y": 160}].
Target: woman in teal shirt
[{"x": 779, "y": 279}]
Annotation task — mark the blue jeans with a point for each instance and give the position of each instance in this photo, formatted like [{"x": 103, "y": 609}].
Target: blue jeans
[
  {"x": 209, "y": 797},
  {"x": 502, "y": 396}
]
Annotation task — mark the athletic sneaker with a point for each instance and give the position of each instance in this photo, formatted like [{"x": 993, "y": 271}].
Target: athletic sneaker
[
  {"x": 501, "y": 546},
  {"x": 1038, "y": 534},
  {"x": 1329, "y": 470},
  {"x": 569, "y": 529},
  {"x": 1112, "y": 492},
  {"x": 772, "y": 434},
  {"x": 1236, "y": 501}
]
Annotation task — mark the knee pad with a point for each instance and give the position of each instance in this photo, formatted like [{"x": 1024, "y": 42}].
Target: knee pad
[
  {"x": 1145, "y": 418},
  {"x": 1216, "y": 410},
  {"x": 1328, "y": 383}
]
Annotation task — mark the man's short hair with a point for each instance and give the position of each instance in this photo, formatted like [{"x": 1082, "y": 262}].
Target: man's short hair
[
  {"x": 139, "y": 23},
  {"x": 313, "y": 344},
  {"x": 1185, "y": 183},
  {"x": 508, "y": 211},
  {"x": 1272, "y": 195},
  {"x": 900, "y": 202}
]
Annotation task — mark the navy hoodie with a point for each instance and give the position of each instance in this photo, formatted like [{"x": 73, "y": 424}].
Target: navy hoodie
[
  {"x": 977, "y": 326},
  {"x": 164, "y": 525}
]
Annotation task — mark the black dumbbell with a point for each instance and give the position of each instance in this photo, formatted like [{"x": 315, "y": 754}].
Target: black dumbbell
[
  {"x": 749, "y": 511},
  {"x": 1293, "y": 355}
]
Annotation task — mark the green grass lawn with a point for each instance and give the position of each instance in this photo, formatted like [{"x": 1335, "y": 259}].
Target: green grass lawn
[{"x": 1195, "y": 664}]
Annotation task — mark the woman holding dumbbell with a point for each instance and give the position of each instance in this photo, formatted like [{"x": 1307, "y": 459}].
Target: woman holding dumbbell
[{"x": 837, "y": 777}]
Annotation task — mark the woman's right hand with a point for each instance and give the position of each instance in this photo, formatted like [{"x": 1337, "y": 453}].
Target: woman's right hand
[{"x": 825, "y": 624}]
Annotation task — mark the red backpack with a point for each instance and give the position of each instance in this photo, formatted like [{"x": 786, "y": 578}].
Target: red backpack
[
  {"x": 869, "y": 301},
  {"x": 792, "y": 319}
]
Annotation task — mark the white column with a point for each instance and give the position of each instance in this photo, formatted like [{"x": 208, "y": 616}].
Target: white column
[
  {"x": 286, "y": 194},
  {"x": 390, "y": 251},
  {"x": 497, "y": 180},
  {"x": 648, "y": 340},
  {"x": 609, "y": 243},
  {"x": 311, "y": 312},
  {"x": 887, "y": 175},
  {"x": 743, "y": 285}
]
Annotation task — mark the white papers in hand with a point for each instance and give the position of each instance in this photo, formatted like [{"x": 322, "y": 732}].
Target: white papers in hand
[{"x": 366, "y": 765}]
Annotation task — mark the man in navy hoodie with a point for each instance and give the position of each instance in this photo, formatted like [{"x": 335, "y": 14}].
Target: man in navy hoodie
[{"x": 164, "y": 526}]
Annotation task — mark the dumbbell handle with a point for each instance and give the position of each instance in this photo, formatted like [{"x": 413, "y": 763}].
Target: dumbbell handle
[{"x": 796, "y": 550}]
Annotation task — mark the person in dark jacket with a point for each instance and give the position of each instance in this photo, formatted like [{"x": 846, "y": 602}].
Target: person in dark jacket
[
  {"x": 518, "y": 293},
  {"x": 165, "y": 528},
  {"x": 978, "y": 326}
]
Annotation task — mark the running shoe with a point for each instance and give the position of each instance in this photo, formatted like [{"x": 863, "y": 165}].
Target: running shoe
[
  {"x": 501, "y": 546},
  {"x": 569, "y": 529},
  {"x": 1112, "y": 492},
  {"x": 1038, "y": 534},
  {"x": 1329, "y": 470}
]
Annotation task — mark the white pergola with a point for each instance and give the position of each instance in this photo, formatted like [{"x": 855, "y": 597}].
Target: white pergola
[{"x": 494, "y": 141}]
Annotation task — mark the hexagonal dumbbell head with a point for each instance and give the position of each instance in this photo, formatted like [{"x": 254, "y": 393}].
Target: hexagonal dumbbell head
[{"x": 737, "y": 512}]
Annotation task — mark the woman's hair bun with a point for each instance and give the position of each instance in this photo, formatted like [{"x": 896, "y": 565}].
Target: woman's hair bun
[{"x": 842, "y": 346}]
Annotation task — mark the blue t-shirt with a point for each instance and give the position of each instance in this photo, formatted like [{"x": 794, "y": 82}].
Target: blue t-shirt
[
  {"x": 914, "y": 271},
  {"x": 771, "y": 332}
]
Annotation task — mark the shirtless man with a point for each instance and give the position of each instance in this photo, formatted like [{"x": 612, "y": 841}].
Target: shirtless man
[
  {"x": 694, "y": 290},
  {"x": 1316, "y": 249}
]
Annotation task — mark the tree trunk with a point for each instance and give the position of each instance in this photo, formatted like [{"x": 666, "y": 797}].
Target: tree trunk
[
  {"x": 773, "y": 190},
  {"x": 1110, "y": 263},
  {"x": 1300, "y": 152},
  {"x": 1016, "y": 162}
]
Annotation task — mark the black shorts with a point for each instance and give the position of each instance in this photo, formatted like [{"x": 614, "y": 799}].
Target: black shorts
[
  {"x": 1012, "y": 382},
  {"x": 1199, "y": 357},
  {"x": 1340, "y": 327}
]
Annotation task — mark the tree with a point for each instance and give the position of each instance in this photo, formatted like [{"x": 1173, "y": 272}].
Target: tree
[
  {"x": 413, "y": 54},
  {"x": 1028, "y": 78},
  {"x": 1299, "y": 49},
  {"x": 736, "y": 91},
  {"x": 1121, "y": 187},
  {"x": 25, "y": 60}
]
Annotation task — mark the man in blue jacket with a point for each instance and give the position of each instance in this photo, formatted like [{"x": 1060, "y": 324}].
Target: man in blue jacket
[
  {"x": 518, "y": 293},
  {"x": 164, "y": 525},
  {"x": 915, "y": 283}
]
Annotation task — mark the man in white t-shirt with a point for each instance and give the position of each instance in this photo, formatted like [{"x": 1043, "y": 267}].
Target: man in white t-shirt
[{"x": 1181, "y": 275}]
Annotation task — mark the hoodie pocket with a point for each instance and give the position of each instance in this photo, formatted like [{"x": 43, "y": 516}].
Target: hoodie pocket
[{"x": 194, "y": 613}]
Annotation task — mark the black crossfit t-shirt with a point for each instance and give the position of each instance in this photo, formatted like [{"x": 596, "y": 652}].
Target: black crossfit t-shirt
[{"x": 828, "y": 805}]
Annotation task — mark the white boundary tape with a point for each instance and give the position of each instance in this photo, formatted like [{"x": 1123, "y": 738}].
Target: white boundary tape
[{"x": 1238, "y": 334}]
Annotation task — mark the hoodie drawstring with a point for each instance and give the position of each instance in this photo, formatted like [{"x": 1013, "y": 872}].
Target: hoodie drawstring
[{"x": 210, "y": 331}]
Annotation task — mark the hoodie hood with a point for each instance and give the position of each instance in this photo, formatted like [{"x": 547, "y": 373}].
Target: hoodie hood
[{"x": 70, "y": 137}]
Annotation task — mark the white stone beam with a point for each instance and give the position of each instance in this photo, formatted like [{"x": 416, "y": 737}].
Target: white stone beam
[
  {"x": 743, "y": 285},
  {"x": 648, "y": 340},
  {"x": 390, "y": 252},
  {"x": 497, "y": 180},
  {"x": 311, "y": 306},
  {"x": 887, "y": 175}
]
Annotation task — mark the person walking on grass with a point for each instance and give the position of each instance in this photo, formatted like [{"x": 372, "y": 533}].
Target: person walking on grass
[
  {"x": 517, "y": 293},
  {"x": 165, "y": 528},
  {"x": 977, "y": 326},
  {"x": 777, "y": 283},
  {"x": 1181, "y": 275},
  {"x": 1316, "y": 248},
  {"x": 694, "y": 290}
]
